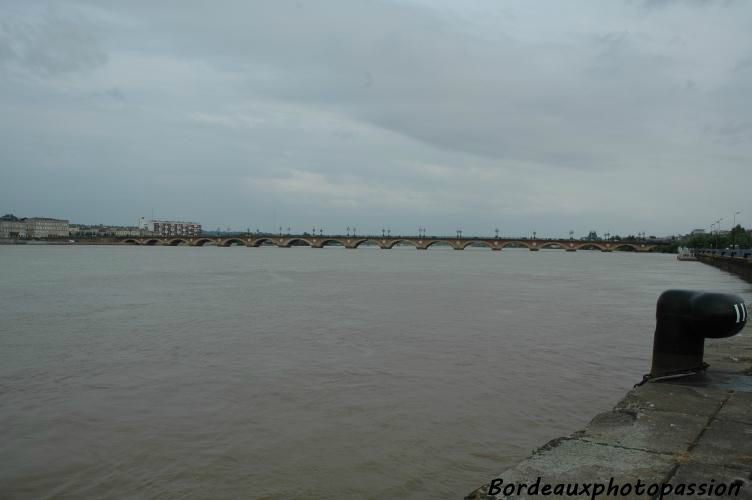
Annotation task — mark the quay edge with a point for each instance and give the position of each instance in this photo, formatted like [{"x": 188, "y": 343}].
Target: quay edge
[
  {"x": 741, "y": 267},
  {"x": 685, "y": 430}
]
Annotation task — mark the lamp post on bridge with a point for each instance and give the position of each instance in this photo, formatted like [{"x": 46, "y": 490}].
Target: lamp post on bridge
[
  {"x": 534, "y": 234},
  {"x": 354, "y": 229},
  {"x": 496, "y": 232},
  {"x": 348, "y": 231},
  {"x": 459, "y": 233},
  {"x": 383, "y": 232},
  {"x": 389, "y": 233}
]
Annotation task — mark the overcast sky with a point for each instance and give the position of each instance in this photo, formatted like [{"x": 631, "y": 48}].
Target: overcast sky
[{"x": 545, "y": 116}]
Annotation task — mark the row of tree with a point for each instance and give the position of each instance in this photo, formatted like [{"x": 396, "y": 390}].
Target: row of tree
[{"x": 738, "y": 236}]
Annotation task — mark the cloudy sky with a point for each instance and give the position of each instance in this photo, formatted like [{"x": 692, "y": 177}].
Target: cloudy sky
[{"x": 545, "y": 116}]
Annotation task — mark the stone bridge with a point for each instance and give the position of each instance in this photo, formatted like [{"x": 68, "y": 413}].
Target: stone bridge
[{"x": 418, "y": 242}]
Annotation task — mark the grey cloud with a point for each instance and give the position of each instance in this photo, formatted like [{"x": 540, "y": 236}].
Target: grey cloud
[
  {"x": 53, "y": 44},
  {"x": 661, "y": 4},
  {"x": 404, "y": 68}
]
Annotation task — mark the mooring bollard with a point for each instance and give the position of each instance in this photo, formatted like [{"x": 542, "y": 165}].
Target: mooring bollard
[{"x": 684, "y": 319}]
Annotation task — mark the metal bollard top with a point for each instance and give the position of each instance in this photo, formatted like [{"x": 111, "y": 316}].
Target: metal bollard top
[
  {"x": 703, "y": 314},
  {"x": 684, "y": 319}
]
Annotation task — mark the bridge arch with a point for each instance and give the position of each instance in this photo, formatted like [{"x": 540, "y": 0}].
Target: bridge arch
[
  {"x": 371, "y": 241},
  {"x": 229, "y": 241},
  {"x": 625, "y": 247},
  {"x": 151, "y": 242},
  {"x": 131, "y": 241},
  {"x": 177, "y": 241},
  {"x": 332, "y": 242},
  {"x": 262, "y": 241},
  {"x": 203, "y": 241},
  {"x": 553, "y": 245},
  {"x": 477, "y": 243},
  {"x": 515, "y": 244},
  {"x": 591, "y": 246},
  {"x": 394, "y": 243},
  {"x": 292, "y": 242},
  {"x": 440, "y": 243}
]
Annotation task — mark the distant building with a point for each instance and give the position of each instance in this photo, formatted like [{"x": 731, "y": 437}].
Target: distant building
[
  {"x": 102, "y": 231},
  {"x": 43, "y": 227},
  {"x": 170, "y": 228},
  {"x": 82, "y": 231},
  {"x": 33, "y": 227},
  {"x": 12, "y": 227},
  {"x": 126, "y": 231}
]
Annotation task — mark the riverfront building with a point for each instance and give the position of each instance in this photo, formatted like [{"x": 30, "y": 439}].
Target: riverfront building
[
  {"x": 12, "y": 227},
  {"x": 43, "y": 227},
  {"x": 170, "y": 228},
  {"x": 102, "y": 231},
  {"x": 33, "y": 227}
]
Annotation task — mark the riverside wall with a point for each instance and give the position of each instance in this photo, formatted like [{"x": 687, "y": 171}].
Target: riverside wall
[
  {"x": 696, "y": 429},
  {"x": 733, "y": 265}
]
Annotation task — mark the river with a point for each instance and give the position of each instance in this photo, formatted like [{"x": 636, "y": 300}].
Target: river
[{"x": 180, "y": 372}]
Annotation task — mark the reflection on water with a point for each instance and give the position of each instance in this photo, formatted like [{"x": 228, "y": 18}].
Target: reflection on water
[{"x": 267, "y": 373}]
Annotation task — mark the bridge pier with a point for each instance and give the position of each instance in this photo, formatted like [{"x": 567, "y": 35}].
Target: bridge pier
[
  {"x": 571, "y": 249},
  {"x": 535, "y": 249}
]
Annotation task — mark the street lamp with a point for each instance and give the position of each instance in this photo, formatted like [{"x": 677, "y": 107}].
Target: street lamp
[
  {"x": 534, "y": 234},
  {"x": 354, "y": 229},
  {"x": 348, "y": 231},
  {"x": 496, "y": 232},
  {"x": 733, "y": 230},
  {"x": 383, "y": 232},
  {"x": 718, "y": 233}
]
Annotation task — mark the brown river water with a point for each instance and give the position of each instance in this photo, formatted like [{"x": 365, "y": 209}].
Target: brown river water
[{"x": 227, "y": 373}]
